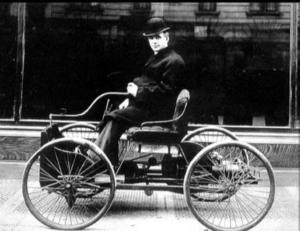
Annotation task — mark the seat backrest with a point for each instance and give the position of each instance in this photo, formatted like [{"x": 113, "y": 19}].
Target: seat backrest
[{"x": 180, "y": 115}]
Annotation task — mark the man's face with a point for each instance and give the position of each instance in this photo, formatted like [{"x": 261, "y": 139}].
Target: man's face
[{"x": 158, "y": 41}]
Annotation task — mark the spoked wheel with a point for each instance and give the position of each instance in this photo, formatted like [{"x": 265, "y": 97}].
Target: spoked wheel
[
  {"x": 208, "y": 135},
  {"x": 59, "y": 184},
  {"x": 211, "y": 134},
  {"x": 229, "y": 194},
  {"x": 80, "y": 130}
]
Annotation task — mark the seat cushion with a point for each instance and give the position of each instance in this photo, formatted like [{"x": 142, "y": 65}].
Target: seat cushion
[{"x": 153, "y": 134}]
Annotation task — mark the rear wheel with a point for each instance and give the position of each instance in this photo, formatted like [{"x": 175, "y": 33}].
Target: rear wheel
[
  {"x": 80, "y": 130},
  {"x": 208, "y": 135},
  {"x": 59, "y": 186},
  {"x": 211, "y": 134},
  {"x": 229, "y": 194}
]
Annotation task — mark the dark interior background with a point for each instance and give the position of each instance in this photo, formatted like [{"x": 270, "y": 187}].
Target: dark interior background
[{"x": 69, "y": 62}]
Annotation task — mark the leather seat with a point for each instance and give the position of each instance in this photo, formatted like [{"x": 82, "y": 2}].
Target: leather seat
[
  {"x": 153, "y": 134},
  {"x": 165, "y": 131}
]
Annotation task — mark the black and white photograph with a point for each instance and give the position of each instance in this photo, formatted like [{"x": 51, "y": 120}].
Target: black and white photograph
[{"x": 130, "y": 116}]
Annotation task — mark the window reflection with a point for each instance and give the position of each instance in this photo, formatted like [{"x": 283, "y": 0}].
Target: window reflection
[
  {"x": 237, "y": 63},
  {"x": 8, "y": 45},
  {"x": 263, "y": 7},
  {"x": 207, "y": 6}
]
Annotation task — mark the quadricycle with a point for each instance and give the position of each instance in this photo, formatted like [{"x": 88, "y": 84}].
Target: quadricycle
[{"x": 227, "y": 184}]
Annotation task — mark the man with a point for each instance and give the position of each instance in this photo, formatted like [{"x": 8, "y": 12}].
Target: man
[{"x": 152, "y": 95}]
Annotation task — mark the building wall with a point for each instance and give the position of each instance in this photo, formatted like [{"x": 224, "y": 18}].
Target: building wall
[{"x": 22, "y": 148}]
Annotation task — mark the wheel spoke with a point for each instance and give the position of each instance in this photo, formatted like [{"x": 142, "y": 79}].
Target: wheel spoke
[{"x": 52, "y": 166}]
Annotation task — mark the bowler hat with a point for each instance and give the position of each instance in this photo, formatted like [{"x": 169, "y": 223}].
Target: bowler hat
[{"x": 155, "y": 25}]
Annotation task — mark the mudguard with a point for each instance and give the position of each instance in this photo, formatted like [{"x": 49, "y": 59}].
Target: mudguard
[{"x": 190, "y": 149}]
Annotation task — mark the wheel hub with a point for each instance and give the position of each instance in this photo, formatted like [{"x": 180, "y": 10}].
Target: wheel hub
[
  {"x": 69, "y": 182},
  {"x": 68, "y": 186},
  {"x": 231, "y": 188}
]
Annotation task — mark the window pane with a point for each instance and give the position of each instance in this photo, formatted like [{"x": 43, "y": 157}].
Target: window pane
[
  {"x": 8, "y": 32},
  {"x": 256, "y": 6},
  {"x": 271, "y": 6},
  {"x": 69, "y": 56},
  {"x": 263, "y": 7},
  {"x": 207, "y": 6},
  {"x": 142, "y": 5},
  {"x": 238, "y": 66}
]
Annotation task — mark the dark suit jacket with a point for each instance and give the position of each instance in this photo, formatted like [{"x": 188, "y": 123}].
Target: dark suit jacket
[{"x": 158, "y": 88}]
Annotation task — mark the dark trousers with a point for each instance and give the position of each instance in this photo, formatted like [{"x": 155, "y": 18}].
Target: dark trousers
[{"x": 109, "y": 136}]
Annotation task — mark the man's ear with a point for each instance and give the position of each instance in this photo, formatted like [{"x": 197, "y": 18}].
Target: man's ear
[{"x": 167, "y": 36}]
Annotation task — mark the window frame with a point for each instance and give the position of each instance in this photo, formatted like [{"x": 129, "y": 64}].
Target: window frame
[
  {"x": 212, "y": 9},
  {"x": 263, "y": 9},
  {"x": 142, "y": 6},
  {"x": 212, "y": 6}
]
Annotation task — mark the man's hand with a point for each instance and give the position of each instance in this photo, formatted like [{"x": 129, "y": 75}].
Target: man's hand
[
  {"x": 124, "y": 104},
  {"x": 132, "y": 89}
]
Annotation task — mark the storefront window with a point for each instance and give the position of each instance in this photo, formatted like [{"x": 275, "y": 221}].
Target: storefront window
[
  {"x": 237, "y": 57},
  {"x": 8, "y": 33}
]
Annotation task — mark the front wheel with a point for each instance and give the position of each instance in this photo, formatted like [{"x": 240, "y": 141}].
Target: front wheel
[
  {"x": 60, "y": 187},
  {"x": 229, "y": 193}
]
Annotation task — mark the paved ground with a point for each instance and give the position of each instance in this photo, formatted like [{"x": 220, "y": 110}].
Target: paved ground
[{"x": 134, "y": 211}]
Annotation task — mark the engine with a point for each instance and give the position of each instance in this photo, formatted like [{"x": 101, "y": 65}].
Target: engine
[{"x": 173, "y": 167}]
